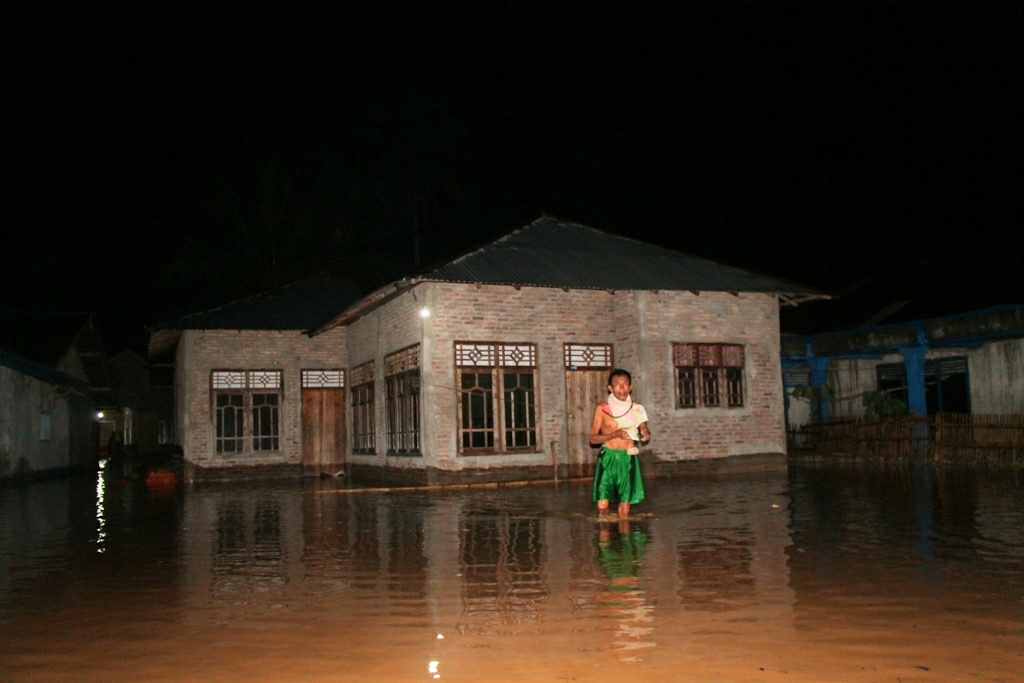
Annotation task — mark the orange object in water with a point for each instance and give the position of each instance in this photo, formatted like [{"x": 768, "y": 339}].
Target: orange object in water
[{"x": 161, "y": 477}]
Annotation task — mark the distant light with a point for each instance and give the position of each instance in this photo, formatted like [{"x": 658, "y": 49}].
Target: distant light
[
  {"x": 99, "y": 415},
  {"x": 424, "y": 312}
]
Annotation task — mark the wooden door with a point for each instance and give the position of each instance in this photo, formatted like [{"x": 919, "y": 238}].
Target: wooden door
[
  {"x": 323, "y": 430},
  {"x": 584, "y": 389}
]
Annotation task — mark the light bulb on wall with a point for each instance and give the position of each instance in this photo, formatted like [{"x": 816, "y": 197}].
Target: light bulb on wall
[{"x": 424, "y": 312}]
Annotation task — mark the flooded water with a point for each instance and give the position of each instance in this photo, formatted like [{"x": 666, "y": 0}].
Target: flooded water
[{"x": 837, "y": 573}]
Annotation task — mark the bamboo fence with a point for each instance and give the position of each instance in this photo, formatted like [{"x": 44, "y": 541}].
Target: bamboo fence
[{"x": 944, "y": 437}]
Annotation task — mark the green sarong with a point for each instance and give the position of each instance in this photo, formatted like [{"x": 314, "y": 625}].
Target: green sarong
[{"x": 618, "y": 477}]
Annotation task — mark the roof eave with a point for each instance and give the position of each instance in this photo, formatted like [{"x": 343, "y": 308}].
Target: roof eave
[
  {"x": 791, "y": 299},
  {"x": 367, "y": 304},
  {"x": 378, "y": 298}
]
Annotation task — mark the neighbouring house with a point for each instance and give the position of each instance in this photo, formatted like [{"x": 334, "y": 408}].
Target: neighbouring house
[
  {"x": 969, "y": 362},
  {"x": 147, "y": 411},
  {"x": 486, "y": 367},
  {"x": 53, "y": 386}
]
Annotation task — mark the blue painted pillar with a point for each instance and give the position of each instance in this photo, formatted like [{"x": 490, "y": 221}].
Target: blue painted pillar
[
  {"x": 913, "y": 359},
  {"x": 819, "y": 376}
]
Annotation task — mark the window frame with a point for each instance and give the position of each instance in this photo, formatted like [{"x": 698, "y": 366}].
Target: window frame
[
  {"x": 164, "y": 432},
  {"x": 505, "y": 421},
  {"x": 246, "y": 396},
  {"x": 402, "y": 418},
  {"x": 709, "y": 375},
  {"x": 891, "y": 378},
  {"x": 363, "y": 401}
]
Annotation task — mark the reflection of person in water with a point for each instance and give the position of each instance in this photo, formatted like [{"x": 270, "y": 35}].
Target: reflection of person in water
[{"x": 620, "y": 555}]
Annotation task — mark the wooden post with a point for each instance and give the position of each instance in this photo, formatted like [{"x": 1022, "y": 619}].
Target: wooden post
[{"x": 554, "y": 462}]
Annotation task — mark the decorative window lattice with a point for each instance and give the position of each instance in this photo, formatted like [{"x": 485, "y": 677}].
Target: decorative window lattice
[
  {"x": 708, "y": 355},
  {"x": 323, "y": 379},
  {"x": 732, "y": 355},
  {"x": 264, "y": 379},
  {"x": 228, "y": 379},
  {"x": 588, "y": 356},
  {"x": 474, "y": 355},
  {"x": 401, "y": 361},
  {"x": 492, "y": 355},
  {"x": 363, "y": 374},
  {"x": 241, "y": 379},
  {"x": 517, "y": 355}
]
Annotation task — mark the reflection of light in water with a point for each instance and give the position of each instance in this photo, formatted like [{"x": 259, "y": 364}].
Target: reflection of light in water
[
  {"x": 631, "y": 634},
  {"x": 621, "y": 559},
  {"x": 101, "y": 518},
  {"x": 432, "y": 668},
  {"x": 635, "y": 637}
]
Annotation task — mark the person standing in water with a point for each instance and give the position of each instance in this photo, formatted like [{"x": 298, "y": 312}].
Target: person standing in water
[{"x": 619, "y": 426}]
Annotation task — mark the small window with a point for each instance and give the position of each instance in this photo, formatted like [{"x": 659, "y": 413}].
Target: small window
[
  {"x": 164, "y": 434},
  {"x": 709, "y": 375},
  {"x": 45, "y": 426}
]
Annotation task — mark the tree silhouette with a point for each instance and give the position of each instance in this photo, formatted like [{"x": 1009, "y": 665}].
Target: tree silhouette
[
  {"x": 274, "y": 223},
  {"x": 409, "y": 153}
]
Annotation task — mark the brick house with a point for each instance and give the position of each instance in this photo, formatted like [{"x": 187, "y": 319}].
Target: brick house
[{"x": 488, "y": 366}]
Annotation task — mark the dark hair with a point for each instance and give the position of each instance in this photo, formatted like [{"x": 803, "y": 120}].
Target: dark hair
[{"x": 619, "y": 371}]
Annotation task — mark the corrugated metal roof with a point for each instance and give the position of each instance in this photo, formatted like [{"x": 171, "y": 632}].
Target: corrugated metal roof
[
  {"x": 301, "y": 305},
  {"x": 552, "y": 253}
]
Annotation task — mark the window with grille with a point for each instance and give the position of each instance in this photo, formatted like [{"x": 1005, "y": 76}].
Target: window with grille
[
  {"x": 946, "y": 384},
  {"x": 709, "y": 375},
  {"x": 363, "y": 422},
  {"x": 402, "y": 403},
  {"x": 497, "y": 384},
  {"x": 247, "y": 410},
  {"x": 587, "y": 356}
]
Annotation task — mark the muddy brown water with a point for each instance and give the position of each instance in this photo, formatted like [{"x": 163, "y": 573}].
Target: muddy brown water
[{"x": 848, "y": 572}]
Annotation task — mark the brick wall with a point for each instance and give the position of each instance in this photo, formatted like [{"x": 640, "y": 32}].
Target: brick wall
[
  {"x": 545, "y": 317},
  {"x": 748, "y": 319},
  {"x": 201, "y": 351},
  {"x": 392, "y": 327},
  {"x": 641, "y": 325}
]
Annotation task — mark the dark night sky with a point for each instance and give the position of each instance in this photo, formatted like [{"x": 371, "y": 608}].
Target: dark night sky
[{"x": 818, "y": 142}]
